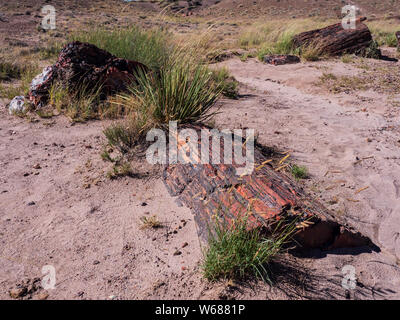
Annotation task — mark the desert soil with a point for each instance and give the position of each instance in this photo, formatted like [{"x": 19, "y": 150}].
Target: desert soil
[{"x": 57, "y": 206}]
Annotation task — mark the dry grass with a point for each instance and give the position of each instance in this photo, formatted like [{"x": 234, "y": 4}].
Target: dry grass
[
  {"x": 150, "y": 222},
  {"x": 338, "y": 84},
  {"x": 383, "y": 31}
]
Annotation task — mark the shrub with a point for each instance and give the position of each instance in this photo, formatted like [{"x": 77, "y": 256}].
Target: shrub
[
  {"x": 236, "y": 251},
  {"x": 125, "y": 135},
  {"x": 9, "y": 71},
  {"x": 225, "y": 83},
  {"x": 180, "y": 93},
  {"x": 283, "y": 45},
  {"x": 299, "y": 172},
  {"x": 372, "y": 51},
  {"x": 80, "y": 104},
  {"x": 24, "y": 72}
]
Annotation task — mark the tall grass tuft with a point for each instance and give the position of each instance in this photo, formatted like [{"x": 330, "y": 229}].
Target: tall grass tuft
[
  {"x": 237, "y": 251},
  {"x": 225, "y": 82},
  {"x": 80, "y": 104},
  {"x": 179, "y": 93},
  {"x": 150, "y": 47},
  {"x": 282, "y": 45}
]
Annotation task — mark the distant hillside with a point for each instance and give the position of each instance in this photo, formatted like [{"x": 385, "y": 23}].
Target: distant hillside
[{"x": 283, "y": 8}]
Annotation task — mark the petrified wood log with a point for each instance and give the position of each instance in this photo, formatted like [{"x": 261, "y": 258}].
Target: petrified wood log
[
  {"x": 83, "y": 64},
  {"x": 335, "y": 40},
  {"x": 266, "y": 196}
]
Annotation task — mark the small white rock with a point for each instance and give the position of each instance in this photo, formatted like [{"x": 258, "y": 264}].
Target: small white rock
[{"x": 17, "y": 105}]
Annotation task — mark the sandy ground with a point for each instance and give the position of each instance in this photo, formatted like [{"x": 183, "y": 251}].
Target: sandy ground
[
  {"x": 57, "y": 207},
  {"x": 330, "y": 134},
  {"x": 92, "y": 235}
]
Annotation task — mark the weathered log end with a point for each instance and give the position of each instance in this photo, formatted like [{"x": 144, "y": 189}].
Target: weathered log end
[{"x": 336, "y": 40}]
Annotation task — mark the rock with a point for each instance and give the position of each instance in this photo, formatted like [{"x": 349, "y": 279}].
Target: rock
[
  {"x": 37, "y": 166},
  {"x": 281, "y": 59},
  {"x": 398, "y": 39},
  {"x": 43, "y": 295},
  {"x": 177, "y": 253},
  {"x": 17, "y": 105},
  {"x": 41, "y": 85},
  {"x": 18, "y": 293},
  {"x": 85, "y": 65}
]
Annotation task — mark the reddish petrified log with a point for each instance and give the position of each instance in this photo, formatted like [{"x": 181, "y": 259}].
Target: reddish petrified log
[
  {"x": 267, "y": 195},
  {"x": 335, "y": 40},
  {"x": 83, "y": 64}
]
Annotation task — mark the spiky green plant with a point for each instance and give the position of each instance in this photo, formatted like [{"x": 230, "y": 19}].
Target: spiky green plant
[
  {"x": 180, "y": 93},
  {"x": 236, "y": 250}
]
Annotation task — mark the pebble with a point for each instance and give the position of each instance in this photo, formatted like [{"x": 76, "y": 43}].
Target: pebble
[
  {"x": 177, "y": 253},
  {"x": 37, "y": 166},
  {"x": 17, "y": 292},
  {"x": 43, "y": 295}
]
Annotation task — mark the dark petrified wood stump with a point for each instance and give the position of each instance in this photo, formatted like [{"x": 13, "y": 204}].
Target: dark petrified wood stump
[
  {"x": 266, "y": 195},
  {"x": 83, "y": 64},
  {"x": 335, "y": 40}
]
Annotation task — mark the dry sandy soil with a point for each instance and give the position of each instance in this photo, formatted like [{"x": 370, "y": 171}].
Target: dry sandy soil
[{"x": 57, "y": 207}]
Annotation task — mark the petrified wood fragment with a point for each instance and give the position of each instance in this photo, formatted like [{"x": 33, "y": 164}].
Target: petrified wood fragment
[
  {"x": 335, "y": 40},
  {"x": 265, "y": 195},
  {"x": 85, "y": 65}
]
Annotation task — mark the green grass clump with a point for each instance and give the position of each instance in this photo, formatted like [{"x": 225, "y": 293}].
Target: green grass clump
[
  {"x": 283, "y": 45},
  {"x": 79, "y": 104},
  {"x": 225, "y": 83},
  {"x": 347, "y": 58},
  {"x": 299, "y": 172},
  {"x": 125, "y": 135},
  {"x": 24, "y": 73},
  {"x": 183, "y": 92},
  {"x": 237, "y": 251},
  {"x": 9, "y": 71},
  {"x": 150, "y": 47},
  {"x": 120, "y": 169},
  {"x": 179, "y": 93},
  {"x": 51, "y": 51},
  {"x": 372, "y": 51},
  {"x": 254, "y": 38}
]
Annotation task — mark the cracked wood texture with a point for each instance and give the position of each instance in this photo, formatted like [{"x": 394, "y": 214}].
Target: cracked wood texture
[
  {"x": 335, "y": 40},
  {"x": 266, "y": 195}
]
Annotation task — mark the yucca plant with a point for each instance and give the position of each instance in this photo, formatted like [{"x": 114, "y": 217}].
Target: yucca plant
[{"x": 180, "y": 93}]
